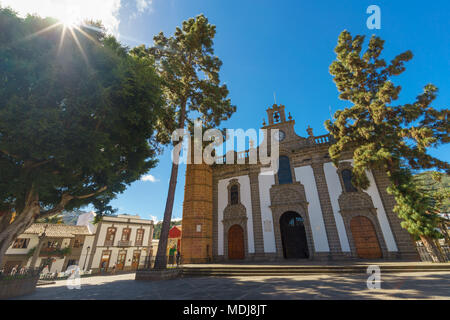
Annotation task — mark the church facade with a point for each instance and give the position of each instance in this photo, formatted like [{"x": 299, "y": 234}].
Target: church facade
[{"x": 309, "y": 209}]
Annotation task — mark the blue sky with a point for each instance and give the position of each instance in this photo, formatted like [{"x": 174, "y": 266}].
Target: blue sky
[{"x": 286, "y": 47}]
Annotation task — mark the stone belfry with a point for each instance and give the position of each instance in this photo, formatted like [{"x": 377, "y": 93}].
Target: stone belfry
[{"x": 196, "y": 237}]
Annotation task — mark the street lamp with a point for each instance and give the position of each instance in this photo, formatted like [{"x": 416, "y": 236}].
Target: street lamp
[{"x": 87, "y": 254}]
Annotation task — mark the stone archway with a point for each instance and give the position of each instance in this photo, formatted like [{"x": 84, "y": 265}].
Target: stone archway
[
  {"x": 293, "y": 236},
  {"x": 236, "y": 246},
  {"x": 365, "y": 238}
]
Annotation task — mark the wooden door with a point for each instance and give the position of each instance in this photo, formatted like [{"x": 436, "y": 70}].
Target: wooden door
[
  {"x": 236, "y": 243},
  {"x": 365, "y": 238},
  {"x": 104, "y": 262},
  {"x": 136, "y": 258},
  {"x": 121, "y": 260}
]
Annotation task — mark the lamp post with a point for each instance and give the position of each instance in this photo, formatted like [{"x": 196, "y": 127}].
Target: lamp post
[{"x": 87, "y": 254}]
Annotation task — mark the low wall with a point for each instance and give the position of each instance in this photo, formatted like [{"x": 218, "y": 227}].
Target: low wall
[
  {"x": 10, "y": 288},
  {"x": 154, "y": 275}
]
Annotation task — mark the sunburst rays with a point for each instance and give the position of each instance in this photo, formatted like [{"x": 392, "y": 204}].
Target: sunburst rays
[{"x": 73, "y": 30}]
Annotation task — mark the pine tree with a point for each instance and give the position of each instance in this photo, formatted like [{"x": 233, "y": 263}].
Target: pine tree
[
  {"x": 190, "y": 77},
  {"x": 381, "y": 134}
]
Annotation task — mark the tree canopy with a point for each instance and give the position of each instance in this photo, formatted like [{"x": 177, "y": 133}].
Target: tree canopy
[
  {"x": 77, "y": 119},
  {"x": 379, "y": 133}
]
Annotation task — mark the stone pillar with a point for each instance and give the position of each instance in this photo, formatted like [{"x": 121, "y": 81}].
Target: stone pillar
[
  {"x": 256, "y": 210},
  {"x": 404, "y": 241},
  {"x": 327, "y": 210},
  {"x": 196, "y": 237}
]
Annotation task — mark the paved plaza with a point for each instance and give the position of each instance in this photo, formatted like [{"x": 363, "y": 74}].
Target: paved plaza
[{"x": 417, "y": 285}]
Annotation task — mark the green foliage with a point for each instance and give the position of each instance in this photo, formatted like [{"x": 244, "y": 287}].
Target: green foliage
[
  {"x": 189, "y": 72},
  {"x": 77, "y": 114},
  {"x": 380, "y": 134},
  {"x": 158, "y": 225},
  {"x": 51, "y": 253},
  {"x": 437, "y": 186},
  {"x": 56, "y": 219}
]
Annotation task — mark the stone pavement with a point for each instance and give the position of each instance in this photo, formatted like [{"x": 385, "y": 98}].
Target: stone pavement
[{"x": 417, "y": 285}]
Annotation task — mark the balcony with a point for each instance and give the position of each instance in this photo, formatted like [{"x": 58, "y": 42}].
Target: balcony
[
  {"x": 124, "y": 243},
  {"x": 54, "y": 252},
  {"x": 138, "y": 243}
]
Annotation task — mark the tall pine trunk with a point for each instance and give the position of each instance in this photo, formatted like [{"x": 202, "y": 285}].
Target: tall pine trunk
[
  {"x": 161, "y": 255},
  {"x": 432, "y": 249}
]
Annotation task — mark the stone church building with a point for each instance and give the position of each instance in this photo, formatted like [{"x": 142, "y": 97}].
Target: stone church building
[{"x": 309, "y": 209}]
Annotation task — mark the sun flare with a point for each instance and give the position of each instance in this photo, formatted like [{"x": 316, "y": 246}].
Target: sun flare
[{"x": 71, "y": 13}]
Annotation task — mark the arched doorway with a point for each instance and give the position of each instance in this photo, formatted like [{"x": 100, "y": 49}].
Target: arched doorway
[
  {"x": 293, "y": 236},
  {"x": 365, "y": 238},
  {"x": 236, "y": 249}
]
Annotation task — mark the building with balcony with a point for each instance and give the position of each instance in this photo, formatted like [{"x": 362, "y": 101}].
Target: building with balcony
[
  {"x": 122, "y": 240},
  {"x": 54, "y": 245}
]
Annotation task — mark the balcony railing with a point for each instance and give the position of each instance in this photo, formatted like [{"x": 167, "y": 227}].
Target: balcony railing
[
  {"x": 245, "y": 155},
  {"x": 54, "y": 252},
  {"x": 109, "y": 243},
  {"x": 124, "y": 243}
]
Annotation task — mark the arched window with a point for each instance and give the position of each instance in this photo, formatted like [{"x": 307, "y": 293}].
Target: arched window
[
  {"x": 347, "y": 179},
  {"x": 234, "y": 194},
  {"x": 284, "y": 171}
]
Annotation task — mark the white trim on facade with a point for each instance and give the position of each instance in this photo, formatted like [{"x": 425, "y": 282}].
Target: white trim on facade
[
  {"x": 305, "y": 176},
  {"x": 335, "y": 190},
  {"x": 265, "y": 182}
]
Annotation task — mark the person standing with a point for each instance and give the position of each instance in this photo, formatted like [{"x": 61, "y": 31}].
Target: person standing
[{"x": 178, "y": 257}]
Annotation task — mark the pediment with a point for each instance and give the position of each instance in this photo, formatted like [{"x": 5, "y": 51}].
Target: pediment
[
  {"x": 234, "y": 211},
  {"x": 355, "y": 201},
  {"x": 292, "y": 193}
]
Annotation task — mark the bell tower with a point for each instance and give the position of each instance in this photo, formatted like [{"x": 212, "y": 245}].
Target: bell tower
[
  {"x": 276, "y": 116},
  {"x": 196, "y": 236}
]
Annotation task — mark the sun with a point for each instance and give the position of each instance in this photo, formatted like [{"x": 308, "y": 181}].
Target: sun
[{"x": 69, "y": 20}]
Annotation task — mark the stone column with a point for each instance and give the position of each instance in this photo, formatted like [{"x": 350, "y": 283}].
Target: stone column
[
  {"x": 256, "y": 212},
  {"x": 327, "y": 210}
]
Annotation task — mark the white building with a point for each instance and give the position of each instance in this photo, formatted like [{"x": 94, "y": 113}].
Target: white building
[{"x": 123, "y": 241}]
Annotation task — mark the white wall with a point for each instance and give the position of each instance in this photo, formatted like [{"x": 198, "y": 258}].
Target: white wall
[
  {"x": 265, "y": 183},
  {"x": 246, "y": 200},
  {"x": 88, "y": 242},
  {"x": 335, "y": 190},
  {"x": 306, "y": 177},
  {"x": 34, "y": 240}
]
